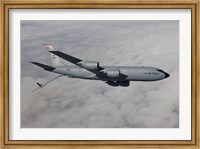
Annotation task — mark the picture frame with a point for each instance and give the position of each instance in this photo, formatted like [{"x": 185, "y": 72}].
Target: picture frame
[{"x": 4, "y": 118}]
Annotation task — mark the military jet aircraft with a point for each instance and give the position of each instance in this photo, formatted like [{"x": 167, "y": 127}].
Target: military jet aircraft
[{"x": 92, "y": 70}]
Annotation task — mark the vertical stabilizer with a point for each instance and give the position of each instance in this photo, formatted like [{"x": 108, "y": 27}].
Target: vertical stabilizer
[{"x": 52, "y": 59}]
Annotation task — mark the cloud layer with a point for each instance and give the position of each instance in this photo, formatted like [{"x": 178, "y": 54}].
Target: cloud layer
[{"x": 77, "y": 103}]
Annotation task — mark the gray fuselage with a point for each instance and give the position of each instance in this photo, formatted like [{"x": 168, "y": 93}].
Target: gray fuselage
[
  {"x": 114, "y": 73},
  {"x": 92, "y": 70}
]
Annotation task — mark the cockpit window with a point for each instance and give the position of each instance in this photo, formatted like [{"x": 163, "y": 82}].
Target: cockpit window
[{"x": 160, "y": 70}]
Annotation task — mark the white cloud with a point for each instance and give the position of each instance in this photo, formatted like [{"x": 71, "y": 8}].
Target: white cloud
[{"x": 70, "y": 102}]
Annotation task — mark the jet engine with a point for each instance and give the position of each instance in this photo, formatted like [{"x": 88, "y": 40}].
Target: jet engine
[
  {"x": 118, "y": 83},
  {"x": 113, "y": 73},
  {"x": 91, "y": 65}
]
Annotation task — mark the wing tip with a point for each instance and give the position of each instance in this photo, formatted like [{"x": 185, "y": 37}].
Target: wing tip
[
  {"x": 32, "y": 62},
  {"x": 53, "y": 51}
]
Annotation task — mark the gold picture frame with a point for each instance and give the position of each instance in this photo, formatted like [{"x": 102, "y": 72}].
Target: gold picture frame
[{"x": 36, "y": 4}]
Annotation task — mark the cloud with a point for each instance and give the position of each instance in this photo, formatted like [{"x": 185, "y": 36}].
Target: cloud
[{"x": 77, "y": 103}]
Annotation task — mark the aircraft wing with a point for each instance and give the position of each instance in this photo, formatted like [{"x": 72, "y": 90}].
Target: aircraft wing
[
  {"x": 67, "y": 57},
  {"x": 72, "y": 59}
]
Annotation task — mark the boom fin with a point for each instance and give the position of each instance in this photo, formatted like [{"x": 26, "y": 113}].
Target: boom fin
[{"x": 42, "y": 85}]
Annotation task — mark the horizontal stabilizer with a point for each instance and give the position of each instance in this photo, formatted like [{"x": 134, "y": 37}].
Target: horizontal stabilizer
[
  {"x": 67, "y": 57},
  {"x": 46, "y": 67}
]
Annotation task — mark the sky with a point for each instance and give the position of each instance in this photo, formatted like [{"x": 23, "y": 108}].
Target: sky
[{"x": 78, "y": 103}]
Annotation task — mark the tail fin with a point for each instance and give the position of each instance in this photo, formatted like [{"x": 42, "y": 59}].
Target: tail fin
[
  {"x": 52, "y": 59},
  {"x": 46, "y": 67}
]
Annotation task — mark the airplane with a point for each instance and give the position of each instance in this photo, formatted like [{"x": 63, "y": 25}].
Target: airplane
[{"x": 112, "y": 75}]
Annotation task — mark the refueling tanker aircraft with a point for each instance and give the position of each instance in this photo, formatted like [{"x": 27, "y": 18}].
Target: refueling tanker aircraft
[{"x": 92, "y": 70}]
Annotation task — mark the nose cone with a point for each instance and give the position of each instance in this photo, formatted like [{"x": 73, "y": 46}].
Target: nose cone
[{"x": 166, "y": 75}]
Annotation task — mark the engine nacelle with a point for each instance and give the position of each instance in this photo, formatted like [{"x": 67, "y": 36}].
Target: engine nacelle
[
  {"x": 113, "y": 73},
  {"x": 91, "y": 65},
  {"x": 118, "y": 83}
]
